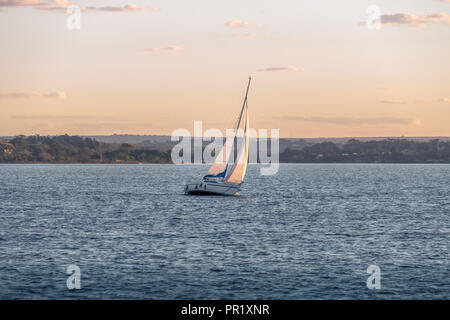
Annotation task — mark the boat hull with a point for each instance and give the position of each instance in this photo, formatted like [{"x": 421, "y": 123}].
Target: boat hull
[{"x": 212, "y": 188}]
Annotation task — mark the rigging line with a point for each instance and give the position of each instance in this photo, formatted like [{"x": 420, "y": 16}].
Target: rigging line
[{"x": 245, "y": 101}]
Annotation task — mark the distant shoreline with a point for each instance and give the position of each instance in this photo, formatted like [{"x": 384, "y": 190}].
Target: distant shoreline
[{"x": 78, "y": 150}]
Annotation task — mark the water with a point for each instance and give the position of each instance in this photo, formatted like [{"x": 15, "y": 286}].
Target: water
[{"x": 309, "y": 232}]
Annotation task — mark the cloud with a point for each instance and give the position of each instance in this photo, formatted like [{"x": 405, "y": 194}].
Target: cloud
[
  {"x": 126, "y": 8},
  {"x": 82, "y": 124},
  {"x": 61, "y": 95},
  {"x": 48, "y": 5},
  {"x": 62, "y": 5},
  {"x": 394, "y": 101},
  {"x": 154, "y": 8},
  {"x": 166, "y": 49},
  {"x": 414, "y": 20},
  {"x": 243, "y": 35},
  {"x": 52, "y": 5},
  {"x": 275, "y": 69},
  {"x": 18, "y": 3},
  {"x": 355, "y": 121},
  {"x": 445, "y": 100},
  {"x": 239, "y": 24}
]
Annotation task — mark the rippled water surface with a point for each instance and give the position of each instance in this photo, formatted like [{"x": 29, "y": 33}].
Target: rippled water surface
[{"x": 309, "y": 232}]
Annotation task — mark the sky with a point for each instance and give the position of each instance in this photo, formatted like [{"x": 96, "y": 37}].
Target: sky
[{"x": 318, "y": 68}]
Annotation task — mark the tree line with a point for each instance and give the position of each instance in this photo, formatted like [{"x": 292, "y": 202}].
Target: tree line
[
  {"x": 75, "y": 149},
  {"x": 375, "y": 151}
]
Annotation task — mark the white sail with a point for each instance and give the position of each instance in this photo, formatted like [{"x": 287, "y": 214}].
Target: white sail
[
  {"x": 220, "y": 167},
  {"x": 237, "y": 172},
  {"x": 247, "y": 140}
]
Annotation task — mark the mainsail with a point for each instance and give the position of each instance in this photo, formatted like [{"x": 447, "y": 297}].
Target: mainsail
[
  {"x": 237, "y": 172},
  {"x": 224, "y": 167},
  {"x": 219, "y": 168}
]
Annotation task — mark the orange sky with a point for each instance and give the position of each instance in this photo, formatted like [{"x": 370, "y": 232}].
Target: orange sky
[{"x": 150, "y": 67}]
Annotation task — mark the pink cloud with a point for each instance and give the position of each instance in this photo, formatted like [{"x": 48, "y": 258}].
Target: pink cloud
[
  {"x": 126, "y": 8},
  {"x": 154, "y": 8},
  {"x": 393, "y": 101},
  {"x": 166, "y": 49},
  {"x": 62, "y": 5},
  {"x": 61, "y": 95},
  {"x": 239, "y": 24},
  {"x": 412, "y": 20},
  {"x": 276, "y": 69},
  {"x": 18, "y": 3}
]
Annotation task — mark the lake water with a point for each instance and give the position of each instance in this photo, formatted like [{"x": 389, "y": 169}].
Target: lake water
[{"x": 309, "y": 232}]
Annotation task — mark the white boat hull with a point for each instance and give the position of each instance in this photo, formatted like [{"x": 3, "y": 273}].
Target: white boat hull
[{"x": 212, "y": 188}]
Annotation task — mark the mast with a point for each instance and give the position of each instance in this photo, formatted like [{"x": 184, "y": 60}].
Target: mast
[{"x": 245, "y": 101}]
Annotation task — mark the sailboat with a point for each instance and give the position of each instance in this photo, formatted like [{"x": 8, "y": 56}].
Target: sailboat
[{"x": 226, "y": 174}]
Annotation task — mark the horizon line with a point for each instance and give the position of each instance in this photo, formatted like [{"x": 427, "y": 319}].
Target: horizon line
[{"x": 167, "y": 135}]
